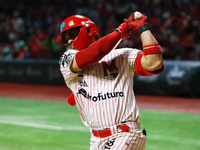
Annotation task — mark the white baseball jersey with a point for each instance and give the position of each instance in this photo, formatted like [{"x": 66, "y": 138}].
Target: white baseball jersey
[{"x": 104, "y": 91}]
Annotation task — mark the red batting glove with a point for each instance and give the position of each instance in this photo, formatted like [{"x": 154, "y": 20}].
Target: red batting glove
[
  {"x": 84, "y": 37},
  {"x": 71, "y": 100},
  {"x": 124, "y": 30},
  {"x": 140, "y": 24}
]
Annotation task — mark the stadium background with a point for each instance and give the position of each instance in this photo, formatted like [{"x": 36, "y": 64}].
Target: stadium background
[
  {"x": 29, "y": 71},
  {"x": 28, "y": 28}
]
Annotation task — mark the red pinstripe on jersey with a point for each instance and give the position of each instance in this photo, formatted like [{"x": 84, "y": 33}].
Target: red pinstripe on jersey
[{"x": 106, "y": 100}]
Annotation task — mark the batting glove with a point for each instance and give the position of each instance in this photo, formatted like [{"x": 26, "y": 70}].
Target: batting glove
[
  {"x": 141, "y": 24},
  {"x": 124, "y": 30},
  {"x": 84, "y": 37}
]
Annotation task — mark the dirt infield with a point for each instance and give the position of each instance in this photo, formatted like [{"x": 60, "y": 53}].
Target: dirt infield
[{"x": 61, "y": 93}]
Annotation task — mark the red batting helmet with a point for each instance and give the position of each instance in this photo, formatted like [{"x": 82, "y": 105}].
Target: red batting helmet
[{"x": 88, "y": 31}]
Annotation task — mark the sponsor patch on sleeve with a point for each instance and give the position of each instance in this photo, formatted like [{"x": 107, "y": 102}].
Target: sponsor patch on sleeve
[{"x": 66, "y": 59}]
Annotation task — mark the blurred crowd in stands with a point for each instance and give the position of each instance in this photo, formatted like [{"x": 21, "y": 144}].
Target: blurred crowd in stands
[{"x": 28, "y": 28}]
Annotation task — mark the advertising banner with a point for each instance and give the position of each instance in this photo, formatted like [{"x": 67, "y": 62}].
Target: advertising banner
[{"x": 179, "y": 78}]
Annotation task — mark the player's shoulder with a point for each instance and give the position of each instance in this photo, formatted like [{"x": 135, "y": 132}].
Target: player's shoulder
[
  {"x": 70, "y": 51},
  {"x": 67, "y": 56}
]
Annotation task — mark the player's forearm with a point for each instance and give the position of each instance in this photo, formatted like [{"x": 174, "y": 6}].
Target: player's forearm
[
  {"x": 147, "y": 38},
  {"x": 97, "y": 50},
  {"x": 154, "y": 61}
]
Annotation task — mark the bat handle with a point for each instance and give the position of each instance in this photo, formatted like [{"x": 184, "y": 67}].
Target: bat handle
[{"x": 117, "y": 43}]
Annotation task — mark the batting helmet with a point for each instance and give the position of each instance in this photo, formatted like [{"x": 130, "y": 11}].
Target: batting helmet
[{"x": 88, "y": 31}]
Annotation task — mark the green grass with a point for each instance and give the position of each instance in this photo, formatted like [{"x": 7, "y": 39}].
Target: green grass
[
  {"x": 171, "y": 131},
  {"x": 18, "y": 137},
  {"x": 44, "y": 125}
]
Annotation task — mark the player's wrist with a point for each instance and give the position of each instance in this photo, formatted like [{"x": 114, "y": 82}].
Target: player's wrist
[
  {"x": 118, "y": 30},
  {"x": 123, "y": 30},
  {"x": 143, "y": 27}
]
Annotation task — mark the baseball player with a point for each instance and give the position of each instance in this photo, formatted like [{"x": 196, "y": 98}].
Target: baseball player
[{"x": 101, "y": 78}]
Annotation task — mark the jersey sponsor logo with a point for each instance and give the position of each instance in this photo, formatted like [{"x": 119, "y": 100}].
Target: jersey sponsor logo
[
  {"x": 112, "y": 68},
  {"x": 66, "y": 59},
  {"x": 83, "y": 83},
  {"x": 100, "y": 96},
  {"x": 109, "y": 143}
]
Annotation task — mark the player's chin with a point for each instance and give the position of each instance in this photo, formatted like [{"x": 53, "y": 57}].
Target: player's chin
[{"x": 71, "y": 46}]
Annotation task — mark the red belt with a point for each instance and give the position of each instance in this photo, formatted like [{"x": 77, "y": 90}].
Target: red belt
[{"x": 107, "y": 132}]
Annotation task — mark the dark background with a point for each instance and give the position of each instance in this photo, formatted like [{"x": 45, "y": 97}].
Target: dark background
[{"x": 28, "y": 27}]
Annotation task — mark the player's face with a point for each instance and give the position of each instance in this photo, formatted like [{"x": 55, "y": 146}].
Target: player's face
[{"x": 70, "y": 35}]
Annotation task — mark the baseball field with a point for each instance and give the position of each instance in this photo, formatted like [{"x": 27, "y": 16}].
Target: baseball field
[{"x": 34, "y": 117}]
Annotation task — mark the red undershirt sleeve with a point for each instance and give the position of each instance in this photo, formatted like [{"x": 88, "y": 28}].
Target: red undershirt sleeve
[{"x": 97, "y": 50}]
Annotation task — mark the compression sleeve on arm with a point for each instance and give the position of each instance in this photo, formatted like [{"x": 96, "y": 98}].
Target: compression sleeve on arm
[{"x": 97, "y": 50}]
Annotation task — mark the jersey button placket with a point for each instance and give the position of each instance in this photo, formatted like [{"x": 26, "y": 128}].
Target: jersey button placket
[
  {"x": 96, "y": 115},
  {"x": 96, "y": 104}
]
